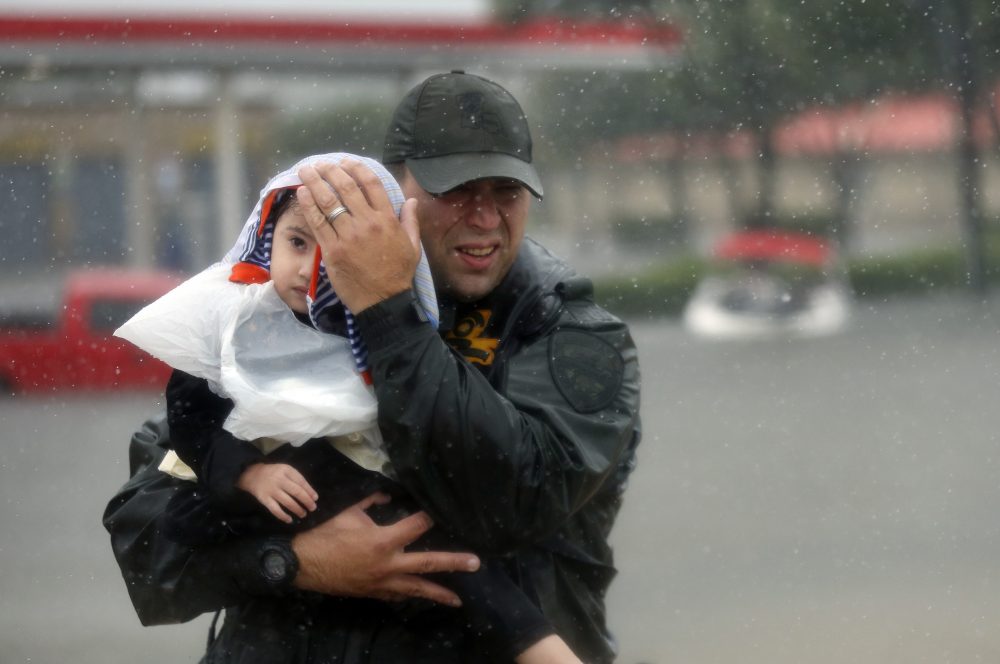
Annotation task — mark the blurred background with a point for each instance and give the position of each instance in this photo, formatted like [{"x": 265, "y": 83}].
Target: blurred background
[{"x": 796, "y": 206}]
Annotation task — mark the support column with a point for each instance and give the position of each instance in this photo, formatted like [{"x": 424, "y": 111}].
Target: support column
[
  {"x": 229, "y": 188},
  {"x": 140, "y": 222},
  {"x": 61, "y": 208}
]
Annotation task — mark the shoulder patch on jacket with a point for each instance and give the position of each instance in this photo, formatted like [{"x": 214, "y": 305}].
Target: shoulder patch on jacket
[{"x": 587, "y": 369}]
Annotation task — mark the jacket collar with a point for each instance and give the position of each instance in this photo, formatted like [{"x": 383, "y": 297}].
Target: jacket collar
[{"x": 529, "y": 293}]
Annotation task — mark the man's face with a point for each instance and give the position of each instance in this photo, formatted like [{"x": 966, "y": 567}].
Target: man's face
[
  {"x": 292, "y": 254},
  {"x": 471, "y": 234}
]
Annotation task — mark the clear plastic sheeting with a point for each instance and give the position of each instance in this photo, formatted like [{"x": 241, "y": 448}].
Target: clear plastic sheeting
[{"x": 288, "y": 381}]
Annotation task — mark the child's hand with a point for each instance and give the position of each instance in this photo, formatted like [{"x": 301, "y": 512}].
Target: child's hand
[{"x": 280, "y": 488}]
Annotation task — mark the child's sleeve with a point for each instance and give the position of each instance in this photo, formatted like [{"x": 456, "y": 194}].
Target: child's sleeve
[{"x": 195, "y": 415}]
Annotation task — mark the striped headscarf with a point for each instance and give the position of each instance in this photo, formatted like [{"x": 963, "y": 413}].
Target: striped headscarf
[{"x": 250, "y": 257}]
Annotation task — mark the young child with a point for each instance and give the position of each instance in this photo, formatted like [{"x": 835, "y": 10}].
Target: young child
[{"x": 269, "y": 399}]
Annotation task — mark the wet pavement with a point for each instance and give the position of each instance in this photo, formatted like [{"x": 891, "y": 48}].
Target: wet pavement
[{"x": 826, "y": 500}]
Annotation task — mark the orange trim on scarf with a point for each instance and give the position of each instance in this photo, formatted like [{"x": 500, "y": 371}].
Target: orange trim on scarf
[
  {"x": 265, "y": 210},
  {"x": 248, "y": 273},
  {"x": 366, "y": 376},
  {"x": 314, "y": 279},
  {"x": 267, "y": 204}
]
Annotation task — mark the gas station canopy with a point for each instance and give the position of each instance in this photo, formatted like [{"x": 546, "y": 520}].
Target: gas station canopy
[{"x": 185, "y": 41}]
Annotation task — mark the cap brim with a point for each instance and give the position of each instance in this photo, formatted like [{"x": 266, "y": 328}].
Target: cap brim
[{"x": 440, "y": 174}]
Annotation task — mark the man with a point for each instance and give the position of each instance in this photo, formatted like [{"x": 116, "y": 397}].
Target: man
[{"x": 515, "y": 428}]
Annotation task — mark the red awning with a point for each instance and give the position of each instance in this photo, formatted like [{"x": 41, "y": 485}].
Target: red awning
[{"x": 186, "y": 40}]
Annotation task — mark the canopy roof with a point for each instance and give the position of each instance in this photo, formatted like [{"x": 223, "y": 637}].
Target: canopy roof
[{"x": 190, "y": 40}]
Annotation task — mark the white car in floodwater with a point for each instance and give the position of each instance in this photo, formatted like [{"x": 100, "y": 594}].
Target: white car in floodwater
[{"x": 770, "y": 283}]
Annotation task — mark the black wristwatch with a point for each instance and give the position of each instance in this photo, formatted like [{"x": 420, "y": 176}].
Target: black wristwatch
[{"x": 277, "y": 563}]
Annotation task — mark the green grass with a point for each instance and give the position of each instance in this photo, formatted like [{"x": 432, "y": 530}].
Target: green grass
[{"x": 660, "y": 291}]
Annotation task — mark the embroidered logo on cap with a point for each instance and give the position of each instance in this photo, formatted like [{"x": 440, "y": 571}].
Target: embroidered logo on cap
[{"x": 470, "y": 107}]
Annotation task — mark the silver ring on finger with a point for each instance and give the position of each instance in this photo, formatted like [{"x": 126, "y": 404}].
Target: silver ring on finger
[{"x": 334, "y": 213}]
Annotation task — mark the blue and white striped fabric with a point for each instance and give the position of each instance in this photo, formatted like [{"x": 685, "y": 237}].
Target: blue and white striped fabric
[{"x": 254, "y": 246}]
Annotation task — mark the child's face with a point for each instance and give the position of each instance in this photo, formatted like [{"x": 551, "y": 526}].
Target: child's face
[{"x": 292, "y": 255}]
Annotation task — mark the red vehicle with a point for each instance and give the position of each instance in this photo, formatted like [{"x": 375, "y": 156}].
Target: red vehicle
[{"x": 72, "y": 346}]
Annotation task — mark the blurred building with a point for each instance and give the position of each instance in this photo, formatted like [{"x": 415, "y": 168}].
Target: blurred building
[
  {"x": 140, "y": 135},
  {"x": 882, "y": 171}
]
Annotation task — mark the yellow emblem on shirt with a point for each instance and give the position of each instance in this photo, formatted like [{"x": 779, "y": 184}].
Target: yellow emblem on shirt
[{"x": 467, "y": 337}]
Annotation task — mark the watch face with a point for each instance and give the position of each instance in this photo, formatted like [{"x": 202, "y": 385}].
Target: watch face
[{"x": 275, "y": 566}]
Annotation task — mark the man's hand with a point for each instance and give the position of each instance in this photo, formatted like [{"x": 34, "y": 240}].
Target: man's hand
[
  {"x": 280, "y": 488},
  {"x": 369, "y": 255},
  {"x": 351, "y": 555}
]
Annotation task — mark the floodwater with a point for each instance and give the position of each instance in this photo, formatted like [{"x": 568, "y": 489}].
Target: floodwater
[{"x": 825, "y": 500}]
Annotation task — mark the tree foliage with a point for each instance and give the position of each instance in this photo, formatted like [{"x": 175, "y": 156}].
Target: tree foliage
[{"x": 749, "y": 63}]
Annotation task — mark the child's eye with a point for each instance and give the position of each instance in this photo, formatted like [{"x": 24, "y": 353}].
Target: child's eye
[{"x": 298, "y": 242}]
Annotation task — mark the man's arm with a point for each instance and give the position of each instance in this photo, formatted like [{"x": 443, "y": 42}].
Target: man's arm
[
  {"x": 348, "y": 555},
  {"x": 501, "y": 470}
]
